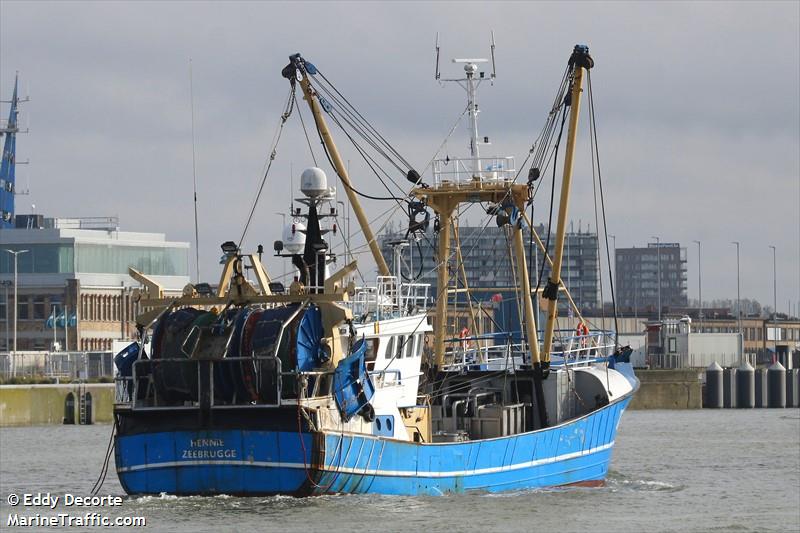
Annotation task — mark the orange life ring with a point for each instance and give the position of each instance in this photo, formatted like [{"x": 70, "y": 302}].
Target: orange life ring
[
  {"x": 463, "y": 336},
  {"x": 582, "y": 331}
]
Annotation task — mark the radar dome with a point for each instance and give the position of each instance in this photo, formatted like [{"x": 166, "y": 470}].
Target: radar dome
[
  {"x": 313, "y": 182},
  {"x": 294, "y": 238}
]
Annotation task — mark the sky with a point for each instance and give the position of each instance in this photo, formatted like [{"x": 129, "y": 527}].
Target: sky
[{"x": 697, "y": 104}]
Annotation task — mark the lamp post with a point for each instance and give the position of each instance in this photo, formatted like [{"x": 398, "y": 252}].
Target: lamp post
[
  {"x": 658, "y": 276},
  {"x": 738, "y": 296},
  {"x": 282, "y": 228},
  {"x": 738, "y": 290},
  {"x": 700, "y": 286},
  {"x": 16, "y": 254},
  {"x": 774, "y": 299},
  {"x": 774, "y": 286},
  {"x": 6, "y": 284}
]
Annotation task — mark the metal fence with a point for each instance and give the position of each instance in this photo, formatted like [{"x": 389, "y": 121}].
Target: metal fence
[
  {"x": 682, "y": 360},
  {"x": 66, "y": 365}
]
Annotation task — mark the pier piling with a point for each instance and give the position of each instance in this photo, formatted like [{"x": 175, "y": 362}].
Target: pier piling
[
  {"x": 776, "y": 379},
  {"x": 714, "y": 390},
  {"x": 745, "y": 386}
]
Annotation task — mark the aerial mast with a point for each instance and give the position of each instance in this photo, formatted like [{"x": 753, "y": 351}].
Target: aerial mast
[
  {"x": 299, "y": 70},
  {"x": 497, "y": 188}
]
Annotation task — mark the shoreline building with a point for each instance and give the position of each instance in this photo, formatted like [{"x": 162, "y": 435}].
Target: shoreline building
[
  {"x": 487, "y": 264},
  {"x": 487, "y": 260},
  {"x": 640, "y": 271},
  {"x": 73, "y": 287},
  {"x": 73, "y": 281}
]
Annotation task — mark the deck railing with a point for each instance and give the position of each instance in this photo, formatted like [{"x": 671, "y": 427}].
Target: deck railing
[
  {"x": 476, "y": 352},
  {"x": 461, "y": 171},
  {"x": 140, "y": 390},
  {"x": 390, "y": 298}
]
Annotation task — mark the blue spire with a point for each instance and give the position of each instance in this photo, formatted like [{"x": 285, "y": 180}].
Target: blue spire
[{"x": 7, "y": 164}]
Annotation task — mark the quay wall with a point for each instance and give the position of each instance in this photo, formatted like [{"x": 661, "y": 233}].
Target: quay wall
[
  {"x": 669, "y": 389},
  {"x": 28, "y": 405}
]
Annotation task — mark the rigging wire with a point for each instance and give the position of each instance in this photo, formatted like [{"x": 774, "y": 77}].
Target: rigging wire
[
  {"x": 378, "y": 144},
  {"x": 597, "y": 224},
  {"x": 365, "y": 121},
  {"x": 552, "y": 195},
  {"x": 273, "y": 153},
  {"x": 305, "y": 132},
  {"x": 444, "y": 142},
  {"x": 370, "y": 162},
  {"x": 194, "y": 178},
  {"x": 345, "y": 182},
  {"x": 593, "y": 124}
]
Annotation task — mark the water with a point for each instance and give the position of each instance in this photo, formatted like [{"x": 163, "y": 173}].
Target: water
[{"x": 710, "y": 470}]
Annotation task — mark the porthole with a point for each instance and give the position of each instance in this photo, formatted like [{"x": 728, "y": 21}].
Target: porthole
[
  {"x": 388, "y": 424},
  {"x": 378, "y": 423}
]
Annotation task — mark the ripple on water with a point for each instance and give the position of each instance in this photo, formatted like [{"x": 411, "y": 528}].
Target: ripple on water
[{"x": 617, "y": 481}]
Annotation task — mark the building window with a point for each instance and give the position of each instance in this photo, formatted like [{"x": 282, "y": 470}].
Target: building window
[
  {"x": 23, "y": 310},
  {"x": 672, "y": 345},
  {"x": 39, "y": 308},
  {"x": 41, "y": 259},
  {"x": 3, "y": 314},
  {"x": 149, "y": 260}
]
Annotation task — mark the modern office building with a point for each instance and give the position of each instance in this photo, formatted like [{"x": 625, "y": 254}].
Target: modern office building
[
  {"x": 640, "y": 272},
  {"x": 73, "y": 283},
  {"x": 487, "y": 254}
]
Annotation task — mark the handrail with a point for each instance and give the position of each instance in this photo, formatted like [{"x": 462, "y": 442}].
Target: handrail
[{"x": 127, "y": 387}]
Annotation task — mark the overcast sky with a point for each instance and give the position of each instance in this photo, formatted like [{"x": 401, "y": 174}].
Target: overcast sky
[{"x": 698, "y": 109}]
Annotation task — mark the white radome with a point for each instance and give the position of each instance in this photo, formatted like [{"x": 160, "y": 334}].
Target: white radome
[
  {"x": 313, "y": 182},
  {"x": 294, "y": 242}
]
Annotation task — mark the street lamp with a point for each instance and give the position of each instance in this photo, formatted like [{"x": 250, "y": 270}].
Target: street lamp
[
  {"x": 658, "y": 282},
  {"x": 774, "y": 299},
  {"x": 738, "y": 294},
  {"x": 774, "y": 286},
  {"x": 6, "y": 284},
  {"x": 16, "y": 304},
  {"x": 699, "y": 286}
]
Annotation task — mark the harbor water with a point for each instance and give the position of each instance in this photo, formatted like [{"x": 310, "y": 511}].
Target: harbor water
[{"x": 691, "y": 470}]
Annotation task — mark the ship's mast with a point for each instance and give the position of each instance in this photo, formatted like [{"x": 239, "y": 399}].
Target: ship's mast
[
  {"x": 470, "y": 84},
  {"x": 580, "y": 60},
  {"x": 450, "y": 190},
  {"x": 300, "y": 70}
]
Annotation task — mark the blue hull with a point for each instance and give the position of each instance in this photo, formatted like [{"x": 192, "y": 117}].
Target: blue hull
[{"x": 250, "y": 462}]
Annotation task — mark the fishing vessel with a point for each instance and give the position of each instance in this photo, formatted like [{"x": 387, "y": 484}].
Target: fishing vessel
[{"x": 329, "y": 386}]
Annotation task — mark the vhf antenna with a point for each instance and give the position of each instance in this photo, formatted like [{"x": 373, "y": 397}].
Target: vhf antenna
[
  {"x": 438, "y": 75},
  {"x": 494, "y": 69}
]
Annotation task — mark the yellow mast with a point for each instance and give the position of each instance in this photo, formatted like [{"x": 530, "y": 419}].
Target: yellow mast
[
  {"x": 298, "y": 64},
  {"x": 443, "y": 198},
  {"x": 581, "y": 60}
]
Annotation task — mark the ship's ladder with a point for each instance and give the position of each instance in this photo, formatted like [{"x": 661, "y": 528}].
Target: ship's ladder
[{"x": 81, "y": 403}]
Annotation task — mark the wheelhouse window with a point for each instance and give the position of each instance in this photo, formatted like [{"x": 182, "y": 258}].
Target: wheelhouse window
[
  {"x": 410, "y": 346},
  {"x": 400, "y": 345},
  {"x": 372, "y": 349},
  {"x": 389, "y": 348}
]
